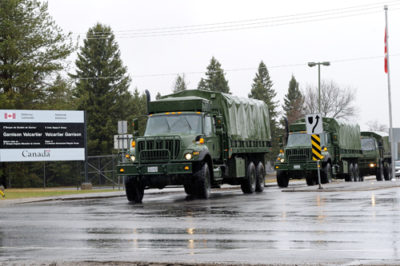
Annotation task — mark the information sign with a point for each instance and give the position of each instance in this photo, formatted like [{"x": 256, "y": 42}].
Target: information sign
[{"x": 38, "y": 135}]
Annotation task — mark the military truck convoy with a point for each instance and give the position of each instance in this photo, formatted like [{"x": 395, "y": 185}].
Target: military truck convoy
[
  {"x": 376, "y": 158},
  {"x": 202, "y": 139},
  {"x": 347, "y": 153},
  {"x": 341, "y": 151},
  {"x": 199, "y": 139}
]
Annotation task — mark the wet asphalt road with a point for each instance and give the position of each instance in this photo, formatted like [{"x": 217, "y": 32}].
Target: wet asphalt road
[{"x": 274, "y": 227}]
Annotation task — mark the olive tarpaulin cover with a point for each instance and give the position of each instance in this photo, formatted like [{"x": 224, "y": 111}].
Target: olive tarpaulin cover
[
  {"x": 349, "y": 136},
  {"x": 245, "y": 119}
]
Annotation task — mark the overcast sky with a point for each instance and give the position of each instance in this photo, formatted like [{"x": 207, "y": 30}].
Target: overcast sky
[{"x": 285, "y": 34}]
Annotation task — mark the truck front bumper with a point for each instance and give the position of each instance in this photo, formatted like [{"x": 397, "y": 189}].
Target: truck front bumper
[
  {"x": 175, "y": 168},
  {"x": 303, "y": 166}
]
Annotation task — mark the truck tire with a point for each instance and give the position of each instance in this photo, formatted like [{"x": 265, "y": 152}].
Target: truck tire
[
  {"x": 356, "y": 174},
  {"x": 248, "y": 184},
  {"x": 134, "y": 190},
  {"x": 203, "y": 182},
  {"x": 282, "y": 178},
  {"x": 379, "y": 172},
  {"x": 310, "y": 179},
  {"x": 350, "y": 175},
  {"x": 326, "y": 174},
  {"x": 387, "y": 172},
  {"x": 260, "y": 173},
  {"x": 189, "y": 188}
]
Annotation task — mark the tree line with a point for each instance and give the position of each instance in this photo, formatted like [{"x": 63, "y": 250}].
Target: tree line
[{"x": 33, "y": 59}]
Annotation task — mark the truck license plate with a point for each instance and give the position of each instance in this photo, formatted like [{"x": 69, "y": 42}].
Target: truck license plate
[
  {"x": 152, "y": 169},
  {"x": 296, "y": 166}
]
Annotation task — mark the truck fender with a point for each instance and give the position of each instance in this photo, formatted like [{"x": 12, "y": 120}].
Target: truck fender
[{"x": 326, "y": 159}]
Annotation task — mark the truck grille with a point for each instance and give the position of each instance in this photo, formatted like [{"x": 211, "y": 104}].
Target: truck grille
[
  {"x": 298, "y": 155},
  {"x": 159, "y": 149}
]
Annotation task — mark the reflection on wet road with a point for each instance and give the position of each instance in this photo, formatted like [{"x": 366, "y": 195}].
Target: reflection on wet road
[{"x": 268, "y": 228}]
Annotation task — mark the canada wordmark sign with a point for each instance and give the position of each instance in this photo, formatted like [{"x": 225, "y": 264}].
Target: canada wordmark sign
[{"x": 37, "y": 135}]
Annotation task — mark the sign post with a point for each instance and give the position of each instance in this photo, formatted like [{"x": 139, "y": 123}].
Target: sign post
[{"x": 314, "y": 126}]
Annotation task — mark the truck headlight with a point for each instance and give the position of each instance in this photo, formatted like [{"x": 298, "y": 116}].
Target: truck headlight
[
  {"x": 188, "y": 156},
  {"x": 282, "y": 160},
  {"x": 133, "y": 158}
]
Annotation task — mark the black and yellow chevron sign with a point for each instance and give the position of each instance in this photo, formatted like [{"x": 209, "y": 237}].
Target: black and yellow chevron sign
[{"x": 316, "y": 147}]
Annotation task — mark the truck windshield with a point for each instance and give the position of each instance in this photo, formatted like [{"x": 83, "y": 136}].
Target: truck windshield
[
  {"x": 303, "y": 139},
  {"x": 173, "y": 124},
  {"x": 368, "y": 144}
]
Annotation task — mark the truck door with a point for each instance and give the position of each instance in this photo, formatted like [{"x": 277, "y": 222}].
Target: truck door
[{"x": 211, "y": 139}]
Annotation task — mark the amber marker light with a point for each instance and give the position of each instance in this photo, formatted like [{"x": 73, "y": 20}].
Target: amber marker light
[
  {"x": 201, "y": 141},
  {"x": 121, "y": 170},
  {"x": 186, "y": 168},
  {"x": 127, "y": 156},
  {"x": 133, "y": 143}
]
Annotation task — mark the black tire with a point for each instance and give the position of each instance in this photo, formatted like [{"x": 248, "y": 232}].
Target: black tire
[
  {"x": 189, "y": 188},
  {"x": 282, "y": 178},
  {"x": 387, "y": 172},
  {"x": 379, "y": 172},
  {"x": 311, "y": 180},
  {"x": 260, "y": 173},
  {"x": 134, "y": 190},
  {"x": 203, "y": 182},
  {"x": 356, "y": 175},
  {"x": 351, "y": 172},
  {"x": 326, "y": 174},
  {"x": 248, "y": 184}
]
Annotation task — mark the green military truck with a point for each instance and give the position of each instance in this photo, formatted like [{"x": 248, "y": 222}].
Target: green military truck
[
  {"x": 341, "y": 151},
  {"x": 376, "y": 159},
  {"x": 199, "y": 139}
]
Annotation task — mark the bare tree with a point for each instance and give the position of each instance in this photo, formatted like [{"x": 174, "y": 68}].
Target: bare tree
[
  {"x": 376, "y": 126},
  {"x": 336, "y": 102}
]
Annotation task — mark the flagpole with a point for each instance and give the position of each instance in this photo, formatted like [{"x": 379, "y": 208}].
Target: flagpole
[{"x": 389, "y": 94}]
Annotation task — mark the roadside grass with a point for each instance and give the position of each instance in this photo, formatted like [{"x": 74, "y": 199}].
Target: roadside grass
[{"x": 19, "y": 193}]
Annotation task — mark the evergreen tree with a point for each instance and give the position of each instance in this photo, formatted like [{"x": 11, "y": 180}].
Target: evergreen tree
[
  {"x": 202, "y": 85},
  {"x": 101, "y": 87},
  {"x": 138, "y": 109},
  {"x": 261, "y": 89},
  {"x": 60, "y": 95},
  {"x": 215, "y": 78},
  {"x": 180, "y": 84},
  {"x": 293, "y": 102},
  {"x": 32, "y": 49}
]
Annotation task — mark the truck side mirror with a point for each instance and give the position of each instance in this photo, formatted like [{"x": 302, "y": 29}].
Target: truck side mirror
[
  {"x": 135, "y": 125},
  {"x": 218, "y": 124},
  {"x": 335, "y": 140}
]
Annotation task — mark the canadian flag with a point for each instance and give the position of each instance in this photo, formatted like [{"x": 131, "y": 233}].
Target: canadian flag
[
  {"x": 386, "y": 65},
  {"x": 10, "y": 116}
]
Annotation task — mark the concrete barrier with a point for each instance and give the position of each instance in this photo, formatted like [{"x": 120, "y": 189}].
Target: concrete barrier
[{"x": 86, "y": 186}]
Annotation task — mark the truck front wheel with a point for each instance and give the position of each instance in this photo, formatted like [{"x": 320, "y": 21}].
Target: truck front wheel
[
  {"x": 203, "y": 182},
  {"x": 387, "y": 173},
  {"x": 379, "y": 172},
  {"x": 249, "y": 182},
  {"x": 260, "y": 172},
  {"x": 356, "y": 170},
  {"x": 326, "y": 174},
  {"x": 282, "y": 178},
  {"x": 134, "y": 190}
]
